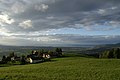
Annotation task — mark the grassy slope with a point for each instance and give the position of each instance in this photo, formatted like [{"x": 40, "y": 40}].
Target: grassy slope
[{"x": 69, "y": 68}]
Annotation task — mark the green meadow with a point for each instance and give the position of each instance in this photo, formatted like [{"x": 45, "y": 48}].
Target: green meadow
[{"x": 72, "y": 67}]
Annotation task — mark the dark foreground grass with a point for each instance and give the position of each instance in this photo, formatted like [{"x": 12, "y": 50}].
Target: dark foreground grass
[{"x": 67, "y": 68}]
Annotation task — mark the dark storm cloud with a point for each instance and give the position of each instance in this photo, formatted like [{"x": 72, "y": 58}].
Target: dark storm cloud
[
  {"x": 22, "y": 18},
  {"x": 63, "y": 13}
]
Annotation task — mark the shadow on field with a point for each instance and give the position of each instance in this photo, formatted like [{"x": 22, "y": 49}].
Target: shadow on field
[
  {"x": 8, "y": 65},
  {"x": 45, "y": 61}
]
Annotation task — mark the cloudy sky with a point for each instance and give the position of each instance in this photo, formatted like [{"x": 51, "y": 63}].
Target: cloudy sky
[{"x": 59, "y": 22}]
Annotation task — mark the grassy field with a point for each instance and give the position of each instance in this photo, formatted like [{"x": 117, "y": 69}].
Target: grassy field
[{"x": 67, "y": 68}]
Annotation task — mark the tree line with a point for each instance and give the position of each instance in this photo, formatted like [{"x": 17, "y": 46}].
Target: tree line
[{"x": 113, "y": 53}]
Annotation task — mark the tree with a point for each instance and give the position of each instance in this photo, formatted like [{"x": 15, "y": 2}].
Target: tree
[
  {"x": 32, "y": 52},
  {"x": 59, "y": 51},
  {"x": 114, "y": 53},
  {"x": 11, "y": 54},
  {"x": 42, "y": 51},
  {"x": 4, "y": 59},
  {"x": 110, "y": 54},
  {"x": 50, "y": 53},
  {"x": 23, "y": 61},
  {"x": 106, "y": 54},
  {"x": 117, "y": 53},
  {"x": 8, "y": 58}
]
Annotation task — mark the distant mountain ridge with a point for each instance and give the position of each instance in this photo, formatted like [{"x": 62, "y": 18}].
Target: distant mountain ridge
[
  {"x": 113, "y": 45},
  {"x": 97, "y": 46}
]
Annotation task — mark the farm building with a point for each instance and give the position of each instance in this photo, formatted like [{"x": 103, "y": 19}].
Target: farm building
[{"x": 34, "y": 60}]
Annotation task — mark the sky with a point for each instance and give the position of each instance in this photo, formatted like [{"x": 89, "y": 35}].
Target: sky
[{"x": 59, "y": 22}]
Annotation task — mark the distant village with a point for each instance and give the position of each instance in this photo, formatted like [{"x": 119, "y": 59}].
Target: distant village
[{"x": 33, "y": 57}]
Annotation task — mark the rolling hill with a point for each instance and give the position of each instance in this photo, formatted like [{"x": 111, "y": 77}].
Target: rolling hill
[{"x": 73, "y": 67}]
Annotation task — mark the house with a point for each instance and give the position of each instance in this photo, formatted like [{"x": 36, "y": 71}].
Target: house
[
  {"x": 15, "y": 58},
  {"x": 36, "y": 57},
  {"x": 46, "y": 56},
  {"x": 34, "y": 60}
]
